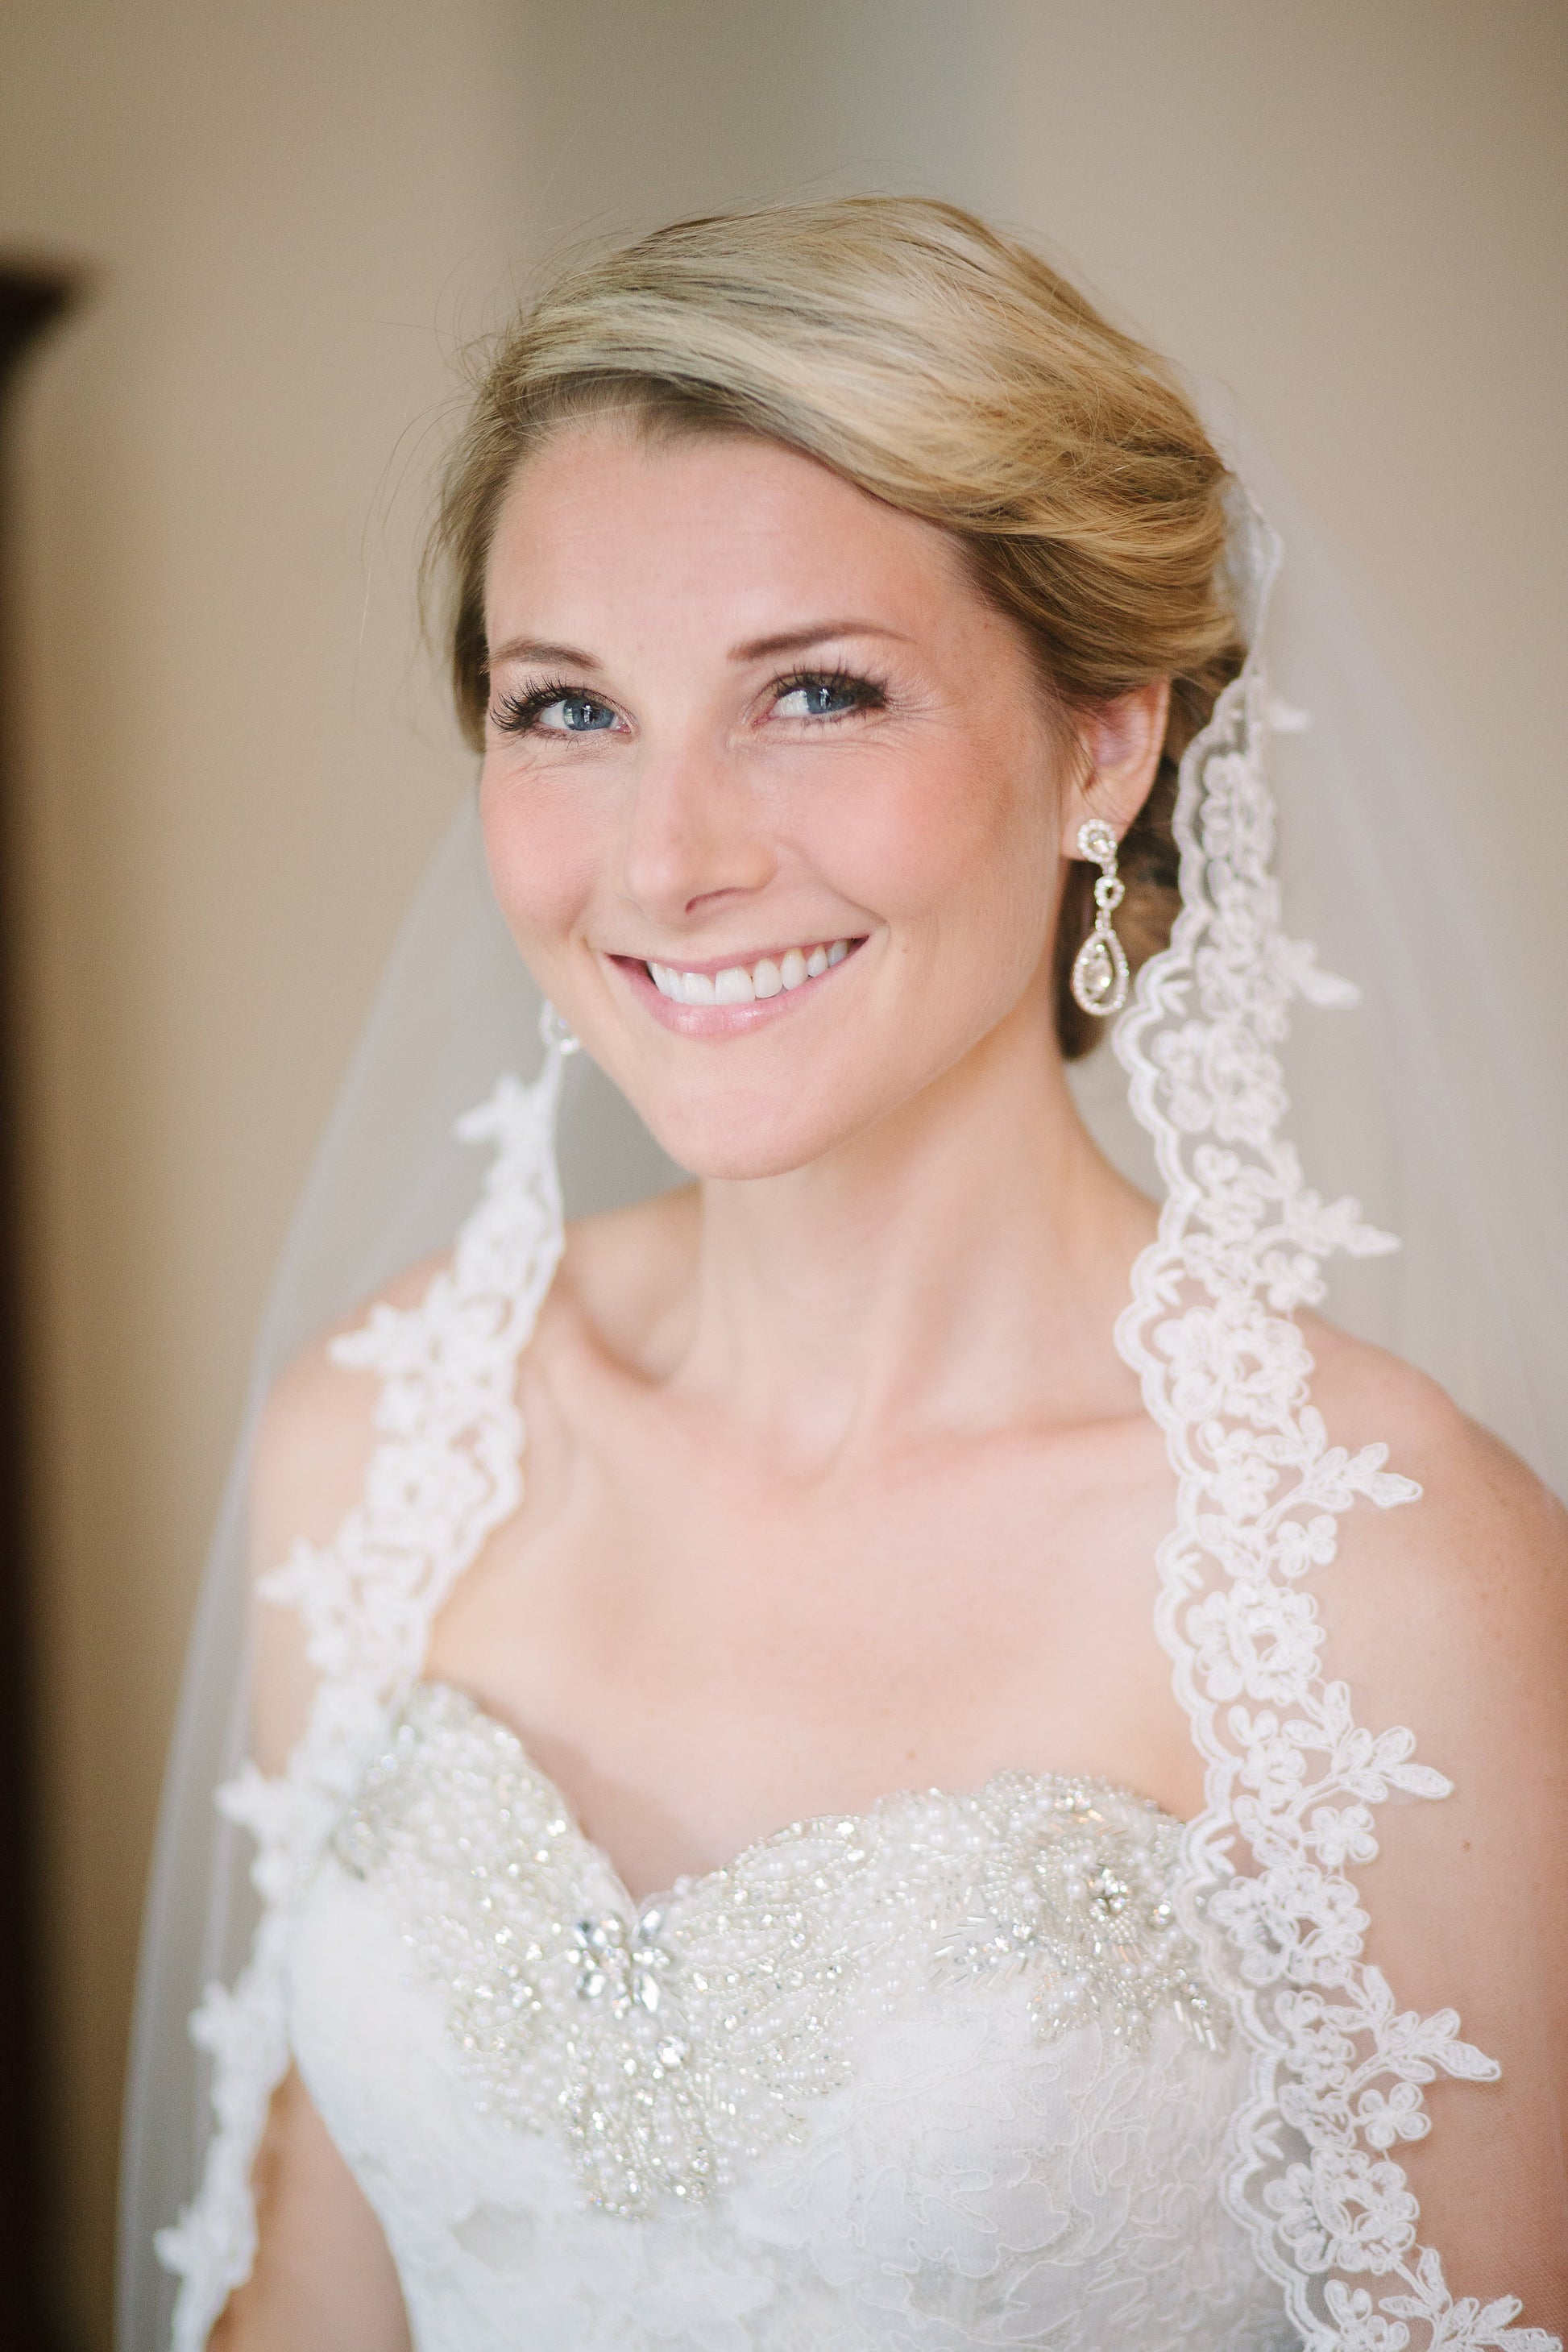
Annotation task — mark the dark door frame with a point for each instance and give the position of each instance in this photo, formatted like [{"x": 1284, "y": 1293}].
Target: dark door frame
[{"x": 31, "y": 299}]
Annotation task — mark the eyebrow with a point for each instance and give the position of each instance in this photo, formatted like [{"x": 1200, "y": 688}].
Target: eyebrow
[
  {"x": 789, "y": 641},
  {"x": 535, "y": 650},
  {"x": 796, "y": 641}
]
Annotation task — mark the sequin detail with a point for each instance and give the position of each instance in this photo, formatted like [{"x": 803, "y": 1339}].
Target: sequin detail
[{"x": 671, "y": 2042}]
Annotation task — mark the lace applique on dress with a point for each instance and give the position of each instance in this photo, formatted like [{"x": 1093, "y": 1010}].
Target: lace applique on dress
[
  {"x": 1338, "y": 2070},
  {"x": 673, "y": 2041}
]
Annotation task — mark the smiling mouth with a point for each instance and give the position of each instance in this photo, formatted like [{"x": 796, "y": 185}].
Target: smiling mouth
[{"x": 745, "y": 984}]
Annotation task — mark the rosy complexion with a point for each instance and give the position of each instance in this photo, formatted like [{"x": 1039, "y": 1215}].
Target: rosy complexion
[{"x": 746, "y": 719}]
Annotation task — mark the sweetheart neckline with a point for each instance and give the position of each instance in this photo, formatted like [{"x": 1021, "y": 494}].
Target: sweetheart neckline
[{"x": 691, "y": 1884}]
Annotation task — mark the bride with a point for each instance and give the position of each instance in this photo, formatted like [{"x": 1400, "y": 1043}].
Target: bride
[{"x": 860, "y": 638}]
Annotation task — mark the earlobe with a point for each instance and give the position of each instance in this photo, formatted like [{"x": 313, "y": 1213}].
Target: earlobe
[{"x": 1120, "y": 742}]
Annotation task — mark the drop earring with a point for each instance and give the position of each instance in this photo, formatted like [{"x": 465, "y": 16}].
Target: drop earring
[
  {"x": 1099, "y": 974},
  {"x": 557, "y": 1033}
]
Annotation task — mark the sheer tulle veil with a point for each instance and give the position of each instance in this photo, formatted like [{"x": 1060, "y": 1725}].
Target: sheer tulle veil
[{"x": 1435, "y": 1098}]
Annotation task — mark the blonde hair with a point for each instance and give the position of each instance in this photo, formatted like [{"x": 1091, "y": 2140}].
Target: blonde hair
[{"x": 941, "y": 367}]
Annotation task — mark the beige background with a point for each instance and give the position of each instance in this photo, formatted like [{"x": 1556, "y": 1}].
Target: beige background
[{"x": 291, "y": 214}]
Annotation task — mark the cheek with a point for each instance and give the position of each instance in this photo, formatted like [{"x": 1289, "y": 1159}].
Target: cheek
[
  {"x": 543, "y": 850},
  {"x": 962, "y": 846}
]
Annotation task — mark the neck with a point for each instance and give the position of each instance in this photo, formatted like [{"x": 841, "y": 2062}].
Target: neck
[{"x": 958, "y": 1267}]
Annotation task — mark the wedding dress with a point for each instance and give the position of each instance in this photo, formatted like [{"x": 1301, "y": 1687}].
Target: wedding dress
[
  {"x": 902, "y": 2086},
  {"x": 1022, "y": 2066}
]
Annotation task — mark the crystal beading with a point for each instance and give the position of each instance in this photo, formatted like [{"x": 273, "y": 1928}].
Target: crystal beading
[
  {"x": 673, "y": 2041},
  {"x": 627, "y": 1965}
]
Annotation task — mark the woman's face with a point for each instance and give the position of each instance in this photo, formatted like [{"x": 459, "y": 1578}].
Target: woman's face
[{"x": 771, "y": 799}]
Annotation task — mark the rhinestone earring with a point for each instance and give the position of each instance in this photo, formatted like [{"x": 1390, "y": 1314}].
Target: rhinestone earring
[
  {"x": 1099, "y": 974},
  {"x": 555, "y": 1032}
]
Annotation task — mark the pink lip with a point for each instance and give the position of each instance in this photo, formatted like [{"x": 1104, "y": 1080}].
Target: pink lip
[{"x": 720, "y": 1020}]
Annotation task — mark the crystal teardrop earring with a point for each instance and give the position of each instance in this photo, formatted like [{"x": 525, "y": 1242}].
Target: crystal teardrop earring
[
  {"x": 557, "y": 1031},
  {"x": 1099, "y": 974}
]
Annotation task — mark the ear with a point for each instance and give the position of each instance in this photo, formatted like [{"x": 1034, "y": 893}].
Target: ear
[{"x": 1119, "y": 743}]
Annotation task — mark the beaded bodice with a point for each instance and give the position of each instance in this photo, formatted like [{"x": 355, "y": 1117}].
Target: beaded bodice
[
  {"x": 669, "y": 2041},
  {"x": 945, "y": 2074}
]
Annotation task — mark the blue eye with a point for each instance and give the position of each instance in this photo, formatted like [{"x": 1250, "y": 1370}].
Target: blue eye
[
  {"x": 829, "y": 696},
  {"x": 553, "y": 710},
  {"x": 579, "y": 714}
]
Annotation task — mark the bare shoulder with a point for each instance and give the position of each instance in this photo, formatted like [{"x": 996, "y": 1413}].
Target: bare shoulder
[
  {"x": 1477, "y": 1568},
  {"x": 1479, "y": 1489},
  {"x": 308, "y": 1464},
  {"x": 619, "y": 1276},
  {"x": 1446, "y": 1618},
  {"x": 620, "y": 1280},
  {"x": 314, "y": 1433}
]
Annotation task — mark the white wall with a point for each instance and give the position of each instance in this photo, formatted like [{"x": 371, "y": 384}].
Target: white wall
[{"x": 291, "y": 210}]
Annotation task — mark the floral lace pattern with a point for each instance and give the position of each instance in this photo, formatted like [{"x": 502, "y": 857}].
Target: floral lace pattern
[
  {"x": 445, "y": 1470},
  {"x": 1338, "y": 2070},
  {"x": 673, "y": 2041}
]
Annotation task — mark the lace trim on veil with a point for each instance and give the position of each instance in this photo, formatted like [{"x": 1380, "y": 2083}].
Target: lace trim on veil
[
  {"x": 1337, "y": 2071},
  {"x": 445, "y": 1470}
]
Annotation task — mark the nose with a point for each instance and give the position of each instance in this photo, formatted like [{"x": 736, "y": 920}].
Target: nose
[{"x": 694, "y": 834}]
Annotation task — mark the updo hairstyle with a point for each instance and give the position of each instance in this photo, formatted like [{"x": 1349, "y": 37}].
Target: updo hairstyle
[{"x": 946, "y": 370}]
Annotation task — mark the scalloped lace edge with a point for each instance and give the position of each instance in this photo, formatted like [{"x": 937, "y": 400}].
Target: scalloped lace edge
[
  {"x": 1336, "y": 2069},
  {"x": 445, "y": 1471}
]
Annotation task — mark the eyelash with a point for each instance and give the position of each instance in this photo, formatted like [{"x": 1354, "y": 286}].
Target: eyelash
[
  {"x": 514, "y": 714},
  {"x": 868, "y": 695}
]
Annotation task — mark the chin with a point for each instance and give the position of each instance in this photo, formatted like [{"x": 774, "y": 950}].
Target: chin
[
  {"x": 737, "y": 1132},
  {"x": 733, "y": 1148},
  {"x": 802, "y": 1110}
]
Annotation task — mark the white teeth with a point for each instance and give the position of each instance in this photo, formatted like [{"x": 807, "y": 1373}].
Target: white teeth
[{"x": 736, "y": 985}]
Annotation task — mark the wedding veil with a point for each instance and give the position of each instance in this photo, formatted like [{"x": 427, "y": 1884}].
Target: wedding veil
[{"x": 1436, "y": 1099}]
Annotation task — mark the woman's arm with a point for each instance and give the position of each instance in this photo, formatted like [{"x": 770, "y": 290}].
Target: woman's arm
[
  {"x": 1450, "y": 1616},
  {"x": 324, "y": 2280}
]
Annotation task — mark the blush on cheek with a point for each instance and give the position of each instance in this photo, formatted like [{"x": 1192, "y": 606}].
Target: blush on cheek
[
  {"x": 542, "y": 860},
  {"x": 945, "y": 842}
]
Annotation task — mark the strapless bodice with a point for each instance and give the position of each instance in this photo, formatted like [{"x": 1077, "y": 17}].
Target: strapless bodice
[{"x": 941, "y": 2077}]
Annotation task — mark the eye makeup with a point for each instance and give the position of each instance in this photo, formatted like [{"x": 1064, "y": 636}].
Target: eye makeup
[
  {"x": 519, "y": 714},
  {"x": 831, "y": 695}
]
